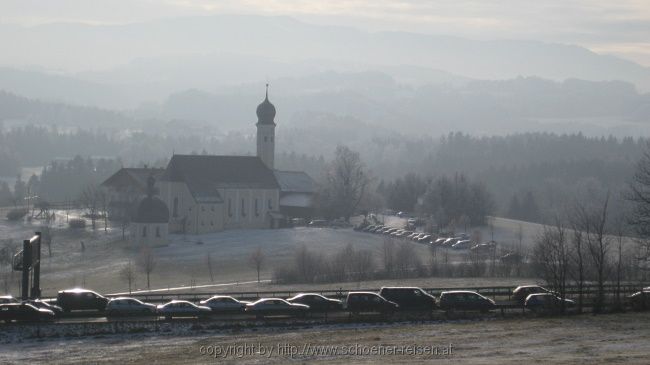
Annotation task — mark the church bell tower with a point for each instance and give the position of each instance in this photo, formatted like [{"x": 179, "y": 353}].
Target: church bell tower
[{"x": 266, "y": 131}]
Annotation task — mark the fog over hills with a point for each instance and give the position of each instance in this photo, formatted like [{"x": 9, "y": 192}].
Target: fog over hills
[{"x": 212, "y": 69}]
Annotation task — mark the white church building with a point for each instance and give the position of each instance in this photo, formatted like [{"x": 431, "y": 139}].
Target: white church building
[{"x": 207, "y": 193}]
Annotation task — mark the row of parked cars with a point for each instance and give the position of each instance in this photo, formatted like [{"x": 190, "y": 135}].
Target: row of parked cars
[
  {"x": 459, "y": 242},
  {"x": 386, "y": 302}
]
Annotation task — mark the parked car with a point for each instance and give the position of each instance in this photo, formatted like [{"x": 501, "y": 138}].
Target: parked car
[
  {"x": 80, "y": 299},
  {"x": 318, "y": 223},
  {"x": 417, "y": 236},
  {"x": 224, "y": 304},
  {"x": 462, "y": 245},
  {"x": 369, "y": 228},
  {"x": 463, "y": 300},
  {"x": 358, "y": 302},
  {"x": 413, "y": 235},
  {"x": 275, "y": 306},
  {"x": 424, "y": 239},
  {"x": 317, "y": 302},
  {"x": 38, "y": 303},
  {"x": 409, "y": 298},
  {"x": 484, "y": 248},
  {"x": 640, "y": 300},
  {"x": 547, "y": 303},
  {"x": 522, "y": 292},
  {"x": 6, "y": 299},
  {"x": 182, "y": 308},
  {"x": 388, "y": 231},
  {"x": 449, "y": 242},
  {"x": 123, "y": 306},
  {"x": 438, "y": 242},
  {"x": 24, "y": 312}
]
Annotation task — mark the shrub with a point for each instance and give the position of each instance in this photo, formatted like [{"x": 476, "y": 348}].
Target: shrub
[
  {"x": 17, "y": 214},
  {"x": 77, "y": 223}
]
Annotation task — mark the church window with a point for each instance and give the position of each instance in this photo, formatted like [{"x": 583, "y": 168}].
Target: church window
[
  {"x": 203, "y": 209},
  {"x": 175, "y": 208},
  {"x": 202, "y": 223},
  {"x": 243, "y": 210},
  {"x": 265, "y": 138},
  {"x": 271, "y": 138},
  {"x": 257, "y": 209},
  {"x": 212, "y": 223},
  {"x": 270, "y": 204},
  {"x": 144, "y": 231},
  {"x": 157, "y": 231},
  {"x": 229, "y": 207},
  {"x": 212, "y": 208}
]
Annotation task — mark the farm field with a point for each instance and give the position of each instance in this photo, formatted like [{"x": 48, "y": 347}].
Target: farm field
[{"x": 578, "y": 339}]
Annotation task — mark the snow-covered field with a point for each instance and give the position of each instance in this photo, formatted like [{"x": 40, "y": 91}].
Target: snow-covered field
[
  {"x": 183, "y": 262},
  {"x": 582, "y": 339}
]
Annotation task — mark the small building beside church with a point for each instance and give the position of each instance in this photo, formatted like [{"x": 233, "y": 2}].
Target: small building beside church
[{"x": 150, "y": 219}]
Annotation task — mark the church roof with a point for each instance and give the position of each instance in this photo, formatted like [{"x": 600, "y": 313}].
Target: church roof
[
  {"x": 203, "y": 174},
  {"x": 295, "y": 182},
  {"x": 128, "y": 177}
]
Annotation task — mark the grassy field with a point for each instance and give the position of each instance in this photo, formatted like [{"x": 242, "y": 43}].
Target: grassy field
[
  {"x": 579, "y": 339},
  {"x": 183, "y": 262}
]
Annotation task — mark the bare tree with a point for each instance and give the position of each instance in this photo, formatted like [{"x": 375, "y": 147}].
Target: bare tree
[
  {"x": 364, "y": 263},
  {"x": 551, "y": 255},
  {"x": 592, "y": 221},
  {"x": 90, "y": 200},
  {"x": 256, "y": 259},
  {"x": 46, "y": 237},
  {"x": 147, "y": 262},
  {"x": 127, "y": 273},
  {"x": 639, "y": 196},
  {"x": 103, "y": 201},
  {"x": 345, "y": 184},
  {"x": 388, "y": 255},
  {"x": 578, "y": 266}
]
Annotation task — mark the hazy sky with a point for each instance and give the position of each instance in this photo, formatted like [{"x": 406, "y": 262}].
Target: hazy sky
[{"x": 620, "y": 27}]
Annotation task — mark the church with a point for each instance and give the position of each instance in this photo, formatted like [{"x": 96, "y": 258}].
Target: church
[{"x": 207, "y": 193}]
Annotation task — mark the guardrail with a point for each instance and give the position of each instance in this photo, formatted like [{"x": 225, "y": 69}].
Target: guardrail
[{"x": 502, "y": 293}]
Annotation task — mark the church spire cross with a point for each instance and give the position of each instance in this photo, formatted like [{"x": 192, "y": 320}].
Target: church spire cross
[{"x": 267, "y": 91}]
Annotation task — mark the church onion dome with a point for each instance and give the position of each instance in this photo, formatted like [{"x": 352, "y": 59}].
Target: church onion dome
[
  {"x": 151, "y": 209},
  {"x": 266, "y": 110}
]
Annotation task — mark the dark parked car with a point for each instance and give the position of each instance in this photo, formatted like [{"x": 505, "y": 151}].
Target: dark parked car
[
  {"x": 640, "y": 300},
  {"x": 317, "y": 302},
  {"x": 463, "y": 300},
  {"x": 522, "y": 292},
  {"x": 80, "y": 299},
  {"x": 409, "y": 298},
  {"x": 276, "y": 306},
  {"x": 358, "y": 302},
  {"x": 24, "y": 312},
  {"x": 46, "y": 305},
  {"x": 547, "y": 303},
  {"x": 224, "y": 304}
]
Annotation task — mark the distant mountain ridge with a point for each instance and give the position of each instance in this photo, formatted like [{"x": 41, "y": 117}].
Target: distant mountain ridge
[{"x": 284, "y": 40}]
